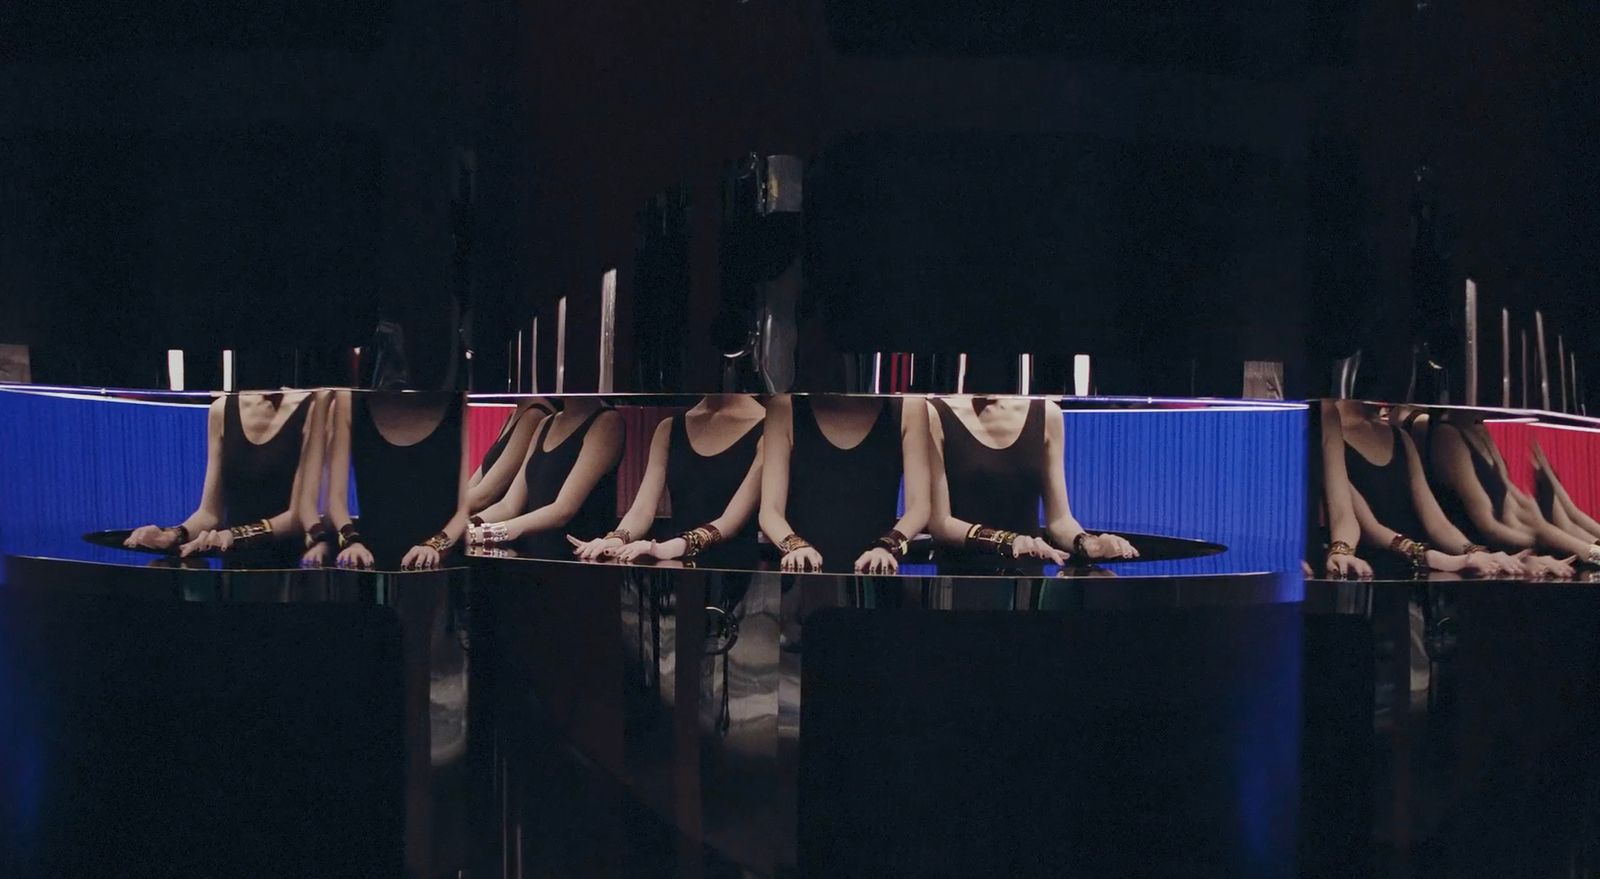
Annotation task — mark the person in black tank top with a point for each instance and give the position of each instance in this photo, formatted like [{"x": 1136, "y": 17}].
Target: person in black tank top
[
  {"x": 834, "y": 508},
  {"x": 987, "y": 495},
  {"x": 1332, "y": 490},
  {"x": 1467, "y": 475},
  {"x": 509, "y": 450},
  {"x": 713, "y": 495},
  {"x": 568, "y": 481},
  {"x": 407, "y": 452},
  {"x": 1557, "y": 507},
  {"x": 248, "y": 481},
  {"x": 1395, "y": 506}
]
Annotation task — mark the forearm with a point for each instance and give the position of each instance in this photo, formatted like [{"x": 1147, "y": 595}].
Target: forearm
[
  {"x": 498, "y": 511},
  {"x": 481, "y": 496},
  {"x": 637, "y": 521},
  {"x": 775, "y": 525},
  {"x": 1063, "y": 531},
  {"x": 201, "y": 520},
  {"x": 546, "y": 518}
]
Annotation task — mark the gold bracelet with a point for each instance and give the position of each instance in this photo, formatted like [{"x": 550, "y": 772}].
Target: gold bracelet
[
  {"x": 251, "y": 535},
  {"x": 1471, "y": 548},
  {"x": 697, "y": 539},
  {"x": 896, "y": 543},
  {"x": 1339, "y": 547},
  {"x": 439, "y": 543},
  {"x": 792, "y": 543},
  {"x": 621, "y": 534}
]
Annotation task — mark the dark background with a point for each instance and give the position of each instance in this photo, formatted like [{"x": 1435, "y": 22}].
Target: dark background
[{"x": 277, "y": 177}]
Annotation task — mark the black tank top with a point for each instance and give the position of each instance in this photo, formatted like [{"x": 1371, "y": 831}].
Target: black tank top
[
  {"x": 840, "y": 500},
  {"x": 995, "y": 487},
  {"x": 1387, "y": 489},
  {"x": 1455, "y": 509},
  {"x": 258, "y": 478},
  {"x": 547, "y": 472},
  {"x": 701, "y": 486},
  {"x": 407, "y": 493},
  {"x": 499, "y": 447}
]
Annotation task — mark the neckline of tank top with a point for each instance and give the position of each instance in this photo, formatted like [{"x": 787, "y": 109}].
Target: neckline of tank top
[
  {"x": 238, "y": 416},
  {"x": 444, "y": 415},
  {"x": 883, "y": 412},
  {"x": 550, "y": 421},
  {"x": 1472, "y": 446},
  {"x": 689, "y": 440},
  {"x": 1021, "y": 431},
  {"x": 1394, "y": 449}
]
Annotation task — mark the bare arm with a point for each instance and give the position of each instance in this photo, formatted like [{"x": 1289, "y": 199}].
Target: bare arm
[
  {"x": 642, "y": 513},
  {"x": 486, "y": 488},
  {"x": 1452, "y": 462},
  {"x": 914, "y": 457},
  {"x": 738, "y": 511},
  {"x": 1439, "y": 528},
  {"x": 339, "y": 460},
  {"x": 209, "y": 513},
  {"x": 777, "y": 444},
  {"x": 1380, "y": 536},
  {"x": 206, "y": 516},
  {"x": 312, "y": 474},
  {"x": 602, "y": 448},
  {"x": 428, "y": 553},
  {"x": 943, "y": 525},
  {"x": 1061, "y": 526},
  {"x": 1336, "y": 489}
]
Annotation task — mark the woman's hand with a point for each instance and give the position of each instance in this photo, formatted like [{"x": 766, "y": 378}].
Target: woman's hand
[
  {"x": 596, "y": 549},
  {"x": 1553, "y": 568},
  {"x": 420, "y": 558},
  {"x": 1108, "y": 546},
  {"x": 641, "y": 550},
  {"x": 151, "y": 537},
  {"x": 877, "y": 560},
  {"x": 1478, "y": 564},
  {"x": 356, "y": 555},
  {"x": 1025, "y": 547},
  {"x": 806, "y": 558},
  {"x": 1345, "y": 565},
  {"x": 315, "y": 556},
  {"x": 220, "y": 540}
]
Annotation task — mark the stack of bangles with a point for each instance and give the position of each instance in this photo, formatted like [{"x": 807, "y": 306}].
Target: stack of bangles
[
  {"x": 318, "y": 533},
  {"x": 349, "y": 536},
  {"x": 792, "y": 543},
  {"x": 992, "y": 540},
  {"x": 496, "y": 532},
  {"x": 252, "y": 535},
  {"x": 1339, "y": 547},
  {"x": 180, "y": 534},
  {"x": 439, "y": 543},
  {"x": 896, "y": 543},
  {"x": 621, "y": 534},
  {"x": 1415, "y": 550},
  {"x": 697, "y": 539}
]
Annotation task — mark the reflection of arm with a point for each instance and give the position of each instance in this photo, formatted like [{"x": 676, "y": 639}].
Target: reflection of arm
[
  {"x": 944, "y": 527},
  {"x": 914, "y": 460},
  {"x": 1336, "y": 488},
  {"x": 1452, "y": 461},
  {"x": 339, "y": 460},
  {"x": 602, "y": 448},
  {"x": 642, "y": 514},
  {"x": 486, "y": 488},
  {"x": 1060, "y": 525},
  {"x": 1434, "y": 521},
  {"x": 777, "y": 444},
  {"x": 1380, "y": 536},
  {"x": 208, "y": 514}
]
